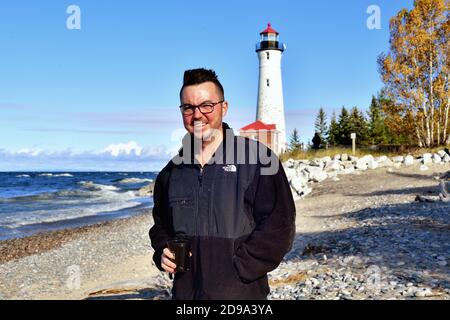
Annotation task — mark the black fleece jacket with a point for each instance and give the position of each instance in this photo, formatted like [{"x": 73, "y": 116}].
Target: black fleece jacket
[{"x": 238, "y": 212}]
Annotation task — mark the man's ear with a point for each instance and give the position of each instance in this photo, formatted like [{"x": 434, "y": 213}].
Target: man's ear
[{"x": 224, "y": 108}]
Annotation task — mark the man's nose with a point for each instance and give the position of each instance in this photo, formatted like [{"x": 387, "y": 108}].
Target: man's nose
[{"x": 197, "y": 113}]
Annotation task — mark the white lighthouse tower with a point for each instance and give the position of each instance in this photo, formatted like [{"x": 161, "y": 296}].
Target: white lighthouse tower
[{"x": 270, "y": 89}]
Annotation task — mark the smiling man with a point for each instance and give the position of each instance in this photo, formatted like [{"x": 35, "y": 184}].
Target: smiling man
[{"x": 238, "y": 217}]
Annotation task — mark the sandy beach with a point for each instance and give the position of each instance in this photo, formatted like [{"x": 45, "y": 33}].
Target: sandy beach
[{"x": 344, "y": 228}]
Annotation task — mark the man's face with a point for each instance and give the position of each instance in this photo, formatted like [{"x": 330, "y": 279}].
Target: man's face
[{"x": 203, "y": 125}]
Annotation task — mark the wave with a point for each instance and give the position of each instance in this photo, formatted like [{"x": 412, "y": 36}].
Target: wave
[
  {"x": 89, "y": 185},
  {"x": 23, "y": 176},
  {"x": 45, "y": 216},
  {"x": 132, "y": 180},
  {"x": 55, "y": 175},
  {"x": 89, "y": 190}
]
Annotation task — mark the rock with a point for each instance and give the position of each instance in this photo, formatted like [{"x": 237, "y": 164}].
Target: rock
[
  {"x": 386, "y": 163},
  {"x": 366, "y": 162},
  {"x": 290, "y": 173},
  {"x": 300, "y": 185},
  {"x": 344, "y": 157},
  {"x": 398, "y": 159},
  {"x": 423, "y": 168},
  {"x": 333, "y": 165},
  {"x": 436, "y": 158},
  {"x": 146, "y": 191},
  {"x": 337, "y": 157},
  {"x": 349, "y": 170},
  {"x": 325, "y": 159},
  {"x": 372, "y": 165},
  {"x": 290, "y": 163},
  {"x": 441, "y": 153},
  {"x": 316, "y": 163},
  {"x": 425, "y": 292},
  {"x": 361, "y": 164},
  {"x": 409, "y": 160},
  {"x": 316, "y": 174},
  {"x": 381, "y": 159},
  {"x": 442, "y": 263},
  {"x": 427, "y": 158},
  {"x": 353, "y": 158},
  {"x": 446, "y": 158}
]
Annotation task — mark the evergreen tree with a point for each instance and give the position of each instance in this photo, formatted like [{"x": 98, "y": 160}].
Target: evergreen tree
[
  {"x": 378, "y": 133},
  {"x": 333, "y": 131},
  {"x": 358, "y": 125},
  {"x": 321, "y": 124},
  {"x": 344, "y": 128},
  {"x": 295, "y": 144}
]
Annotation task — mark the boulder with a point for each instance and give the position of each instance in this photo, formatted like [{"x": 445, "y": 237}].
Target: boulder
[
  {"x": 441, "y": 153},
  {"x": 333, "y": 165},
  {"x": 381, "y": 159},
  {"x": 446, "y": 158},
  {"x": 409, "y": 160},
  {"x": 337, "y": 157},
  {"x": 290, "y": 163},
  {"x": 427, "y": 158},
  {"x": 436, "y": 158},
  {"x": 386, "y": 163},
  {"x": 146, "y": 190},
  {"x": 398, "y": 159},
  {"x": 316, "y": 174},
  {"x": 348, "y": 170},
  {"x": 344, "y": 157}
]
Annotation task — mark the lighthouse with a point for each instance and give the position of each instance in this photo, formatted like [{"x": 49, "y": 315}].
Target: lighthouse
[{"x": 270, "y": 107}]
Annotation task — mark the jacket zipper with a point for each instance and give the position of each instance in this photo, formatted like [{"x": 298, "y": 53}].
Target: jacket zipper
[{"x": 200, "y": 180}]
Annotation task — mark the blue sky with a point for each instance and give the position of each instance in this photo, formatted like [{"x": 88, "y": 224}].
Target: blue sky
[{"x": 105, "y": 97}]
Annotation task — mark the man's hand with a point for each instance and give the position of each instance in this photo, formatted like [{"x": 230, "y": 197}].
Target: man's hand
[{"x": 167, "y": 261}]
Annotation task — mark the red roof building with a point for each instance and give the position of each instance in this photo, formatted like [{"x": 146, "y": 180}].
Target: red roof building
[{"x": 264, "y": 133}]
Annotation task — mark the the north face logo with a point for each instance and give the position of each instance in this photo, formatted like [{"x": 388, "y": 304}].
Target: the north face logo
[{"x": 230, "y": 168}]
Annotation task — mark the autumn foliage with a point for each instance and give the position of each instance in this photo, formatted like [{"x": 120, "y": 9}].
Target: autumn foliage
[{"x": 415, "y": 72}]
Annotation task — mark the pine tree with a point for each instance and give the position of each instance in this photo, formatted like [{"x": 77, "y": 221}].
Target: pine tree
[
  {"x": 333, "y": 131},
  {"x": 378, "y": 133},
  {"x": 321, "y": 124},
  {"x": 344, "y": 128},
  {"x": 295, "y": 144},
  {"x": 358, "y": 125}
]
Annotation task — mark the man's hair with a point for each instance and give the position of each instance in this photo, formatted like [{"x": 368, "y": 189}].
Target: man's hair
[{"x": 199, "y": 76}]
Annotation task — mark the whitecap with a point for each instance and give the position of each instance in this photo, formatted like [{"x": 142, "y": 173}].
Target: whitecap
[{"x": 133, "y": 180}]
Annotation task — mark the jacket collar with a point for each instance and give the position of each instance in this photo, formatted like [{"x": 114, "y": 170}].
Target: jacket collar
[{"x": 222, "y": 150}]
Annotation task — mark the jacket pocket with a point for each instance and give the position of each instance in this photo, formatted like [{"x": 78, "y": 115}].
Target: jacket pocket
[{"x": 182, "y": 212}]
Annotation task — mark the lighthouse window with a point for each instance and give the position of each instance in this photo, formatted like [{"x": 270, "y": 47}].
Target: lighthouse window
[
  {"x": 268, "y": 55},
  {"x": 268, "y": 82}
]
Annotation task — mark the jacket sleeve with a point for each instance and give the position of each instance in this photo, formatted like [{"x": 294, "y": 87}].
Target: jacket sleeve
[
  {"x": 274, "y": 214},
  {"x": 159, "y": 232}
]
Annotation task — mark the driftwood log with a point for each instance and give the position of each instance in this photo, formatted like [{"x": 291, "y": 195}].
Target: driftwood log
[{"x": 444, "y": 195}]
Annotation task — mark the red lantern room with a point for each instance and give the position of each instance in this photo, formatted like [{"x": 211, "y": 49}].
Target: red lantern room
[{"x": 269, "y": 40}]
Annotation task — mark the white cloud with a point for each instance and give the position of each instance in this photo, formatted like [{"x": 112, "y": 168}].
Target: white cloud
[
  {"x": 124, "y": 148},
  {"x": 120, "y": 156}
]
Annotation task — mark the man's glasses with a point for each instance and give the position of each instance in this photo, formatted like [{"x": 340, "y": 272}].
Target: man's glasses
[{"x": 205, "y": 108}]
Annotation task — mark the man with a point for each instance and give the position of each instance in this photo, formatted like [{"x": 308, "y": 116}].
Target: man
[{"x": 225, "y": 195}]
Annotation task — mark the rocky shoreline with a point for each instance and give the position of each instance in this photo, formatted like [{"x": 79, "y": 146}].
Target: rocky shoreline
[
  {"x": 302, "y": 173},
  {"x": 359, "y": 236}
]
